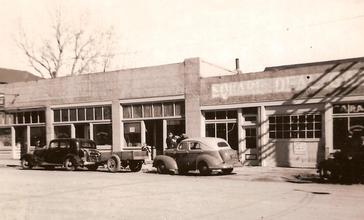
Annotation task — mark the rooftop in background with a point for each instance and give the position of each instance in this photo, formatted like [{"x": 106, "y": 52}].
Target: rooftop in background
[
  {"x": 276, "y": 68},
  {"x": 11, "y": 76}
]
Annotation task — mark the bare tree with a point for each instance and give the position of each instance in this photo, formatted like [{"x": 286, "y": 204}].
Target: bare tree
[{"x": 68, "y": 51}]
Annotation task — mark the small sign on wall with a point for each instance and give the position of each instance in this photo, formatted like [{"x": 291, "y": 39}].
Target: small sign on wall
[
  {"x": 132, "y": 129},
  {"x": 299, "y": 148}
]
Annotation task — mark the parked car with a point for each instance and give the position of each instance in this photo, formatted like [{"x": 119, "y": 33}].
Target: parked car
[
  {"x": 204, "y": 154},
  {"x": 69, "y": 153}
]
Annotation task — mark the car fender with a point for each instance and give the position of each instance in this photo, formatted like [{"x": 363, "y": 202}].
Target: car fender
[
  {"x": 76, "y": 157},
  {"x": 169, "y": 162},
  {"x": 28, "y": 156},
  {"x": 208, "y": 159}
]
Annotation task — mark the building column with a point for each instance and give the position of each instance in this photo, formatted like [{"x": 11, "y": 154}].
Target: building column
[
  {"x": 13, "y": 144},
  {"x": 28, "y": 138},
  {"x": 203, "y": 124},
  {"x": 73, "y": 131},
  {"x": 116, "y": 126},
  {"x": 327, "y": 129},
  {"x": 49, "y": 125},
  {"x": 91, "y": 134},
  {"x": 241, "y": 136},
  {"x": 164, "y": 133},
  {"x": 263, "y": 135},
  {"x": 143, "y": 133}
]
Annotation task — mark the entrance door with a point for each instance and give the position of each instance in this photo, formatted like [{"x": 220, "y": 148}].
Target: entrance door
[
  {"x": 250, "y": 146},
  {"x": 154, "y": 135},
  {"x": 21, "y": 139},
  {"x": 82, "y": 131}
]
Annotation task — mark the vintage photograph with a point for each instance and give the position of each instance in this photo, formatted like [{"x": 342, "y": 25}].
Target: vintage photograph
[{"x": 166, "y": 109}]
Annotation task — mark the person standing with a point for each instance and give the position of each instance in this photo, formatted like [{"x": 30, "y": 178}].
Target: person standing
[{"x": 169, "y": 140}]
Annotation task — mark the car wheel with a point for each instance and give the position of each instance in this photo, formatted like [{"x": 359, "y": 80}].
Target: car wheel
[
  {"x": 161, "y": 167},
  {"x": 113, "y": 164},
  {"x": 227, "y": 171},
  {"x": 26, "y": 163},
  {"x": 93, "y": 167},
  {"x": 204, "y": 169},
  {"x": 135, "y": 166},
  {"x": 70, "y": 164}
]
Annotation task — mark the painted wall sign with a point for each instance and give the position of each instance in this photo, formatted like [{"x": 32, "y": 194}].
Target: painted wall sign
[{"x": 349, "y": 108}]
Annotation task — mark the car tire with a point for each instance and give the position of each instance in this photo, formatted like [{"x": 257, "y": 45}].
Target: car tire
[
  {"x": 161, "y": 168},
  {"x": 70, "y": 164},
  {"x": 113, "y": 164},
  {"x": 204, "y": 169},
  {"x": 93, "y": 167},
  {"x": 26, "y": 163},
  {"x": 227, "y": 171},
  {"x": 135, "y": 166}
]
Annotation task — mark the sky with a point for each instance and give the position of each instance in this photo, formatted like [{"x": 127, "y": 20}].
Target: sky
[{"x": 261, "y": 33}]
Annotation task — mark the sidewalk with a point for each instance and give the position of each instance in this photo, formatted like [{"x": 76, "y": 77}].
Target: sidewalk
[{"x": 245, "y": 173}]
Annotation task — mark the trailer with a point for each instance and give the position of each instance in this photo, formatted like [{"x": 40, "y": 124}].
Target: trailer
[{"x": 133, "y": 159}]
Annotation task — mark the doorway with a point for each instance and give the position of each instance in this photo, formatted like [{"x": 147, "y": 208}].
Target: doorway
[
  {"x": 82, "y": 131},
  {"x": 154, "y": 135},
  {"x": 21, "y": 139}
]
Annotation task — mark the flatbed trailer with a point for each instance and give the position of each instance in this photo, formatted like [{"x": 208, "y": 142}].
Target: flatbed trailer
[{"x": 133, "y": 159}]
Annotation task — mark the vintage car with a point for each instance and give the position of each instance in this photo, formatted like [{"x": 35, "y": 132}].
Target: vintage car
[
  {"x": 69, "y": 153},
  {"x": 204, "y": 154}
]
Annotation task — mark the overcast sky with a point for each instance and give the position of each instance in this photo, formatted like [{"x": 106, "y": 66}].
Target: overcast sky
[{"x": 152, "y": 32}]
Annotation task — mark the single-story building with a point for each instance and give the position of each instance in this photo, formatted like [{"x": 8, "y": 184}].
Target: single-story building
[{"x": 290, "y": 116}]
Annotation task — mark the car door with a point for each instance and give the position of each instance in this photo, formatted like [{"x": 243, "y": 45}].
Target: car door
[
  {"x": 181, "y": 155},
  {"x": 51, "y": 152},
  {"x": 195, "y": 151},
  {"x": 64, "y": 149}
]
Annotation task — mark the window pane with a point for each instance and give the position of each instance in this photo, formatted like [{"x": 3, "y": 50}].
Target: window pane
[
  {"x": 103, "y": 134},
  {"x": 279, "y": 119},
  {"x": 98, "y": 113},
  {"x": 233, "y": 136},
  {"x": 27, "y": 117},
  {"x": 179, "y": 108},
  {"x": 272, "y": 119},
  {"x": 168, "y": 109},
  {"x": 5, "y": 137},
  {"x": 107, "y": 112},
  {"x": 38, "y": 134},
  {"x": 157, "y": 110},
  {"x": 9, "y": 118},
  {"x": 81, "y": 114},
  {"x": 272, "y": 134},
  {"x": 89, "y": 113},
  {"x": 34, "y": 116},
  {"x": 62, "y": 131},
  {"x": 127, "y": 111},
  {"x": 41, "y": 116},
  {"x": 250, "y": 118},
  {"x": 147, "y": 111},
  {"x": 82, "y": 130},
  {"x": 221, "y": 131},
  {"x": 137, "y": 111},
  {"x": 19, "y": 116},
  {"x": 2, "y": 117},
  {"x": 250, "y": 111},
  {"x": 132, "y": 134},
  {"x": 340, "y": 126},
  {"x": 73, "y": 114},
  {"x": 210, "y": 130},
  {"x": 64, "y": 114},
  {"x": 220, "y": 115},
  {"x": 209, "y": 115},
  {"x": 232, "y": 114}
]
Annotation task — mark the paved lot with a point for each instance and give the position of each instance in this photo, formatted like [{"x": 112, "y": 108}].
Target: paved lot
[{"x": 41, "y": 194}]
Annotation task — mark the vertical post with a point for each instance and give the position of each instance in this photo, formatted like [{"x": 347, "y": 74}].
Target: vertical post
[
  {"x": 263, "y": 133},
  {"x": 164, "y": 133},
  {"x": 327, "y": 130},
  {"x": 13, "y": 144},
  {"x": 73, "y": 131},
  {"x": 203, "y": 124},
  {"x": 116, "y": 126},
  {"x": 28, "y": 138},
  {"x": 91, "y": 134},
  {"x": 49, "y": 124},
  {"x": 241, "y": 136},
  {"x": 143, "y": 132}
]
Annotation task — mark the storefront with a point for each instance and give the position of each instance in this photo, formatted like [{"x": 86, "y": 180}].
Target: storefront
[{"x": 291, "y": 116}]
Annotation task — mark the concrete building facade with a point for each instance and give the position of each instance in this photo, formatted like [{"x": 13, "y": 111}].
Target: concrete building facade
[{"x": 284, "y": 116}]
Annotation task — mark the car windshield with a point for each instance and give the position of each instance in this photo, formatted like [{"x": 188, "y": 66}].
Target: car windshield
[
  {"x": 222, "y": 144},
  {"x": 84, "y": 144}
]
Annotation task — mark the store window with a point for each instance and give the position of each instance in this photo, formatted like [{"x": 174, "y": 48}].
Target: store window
[
  {"x": 153, "y": 110},
  {"x": 222, "y": 124},
  {"x": 295, "y": 126},
  {"x": 177, "y": 127},
  {"x": 5, "y": 137},
  {"x": 82, "y": 114},
  {"x": 62, "y": 131},
  {"x": 132, "y": 134},
  {"x": 348, "y": 122},
  {"x": 26, "y": 117},
  {"x": 103, "y": 134},
  {"x": 37, "y": 134}
]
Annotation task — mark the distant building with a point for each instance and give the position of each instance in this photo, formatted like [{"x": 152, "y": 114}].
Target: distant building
[
  {"x": 11, "y": 76},
  {"x": 290, "y": 116}
]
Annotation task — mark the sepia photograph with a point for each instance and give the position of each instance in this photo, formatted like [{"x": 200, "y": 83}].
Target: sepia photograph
[{"x": 169, "y": 110}]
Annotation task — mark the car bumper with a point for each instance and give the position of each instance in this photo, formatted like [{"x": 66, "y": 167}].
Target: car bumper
[{"x": 222, "y": 166}]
